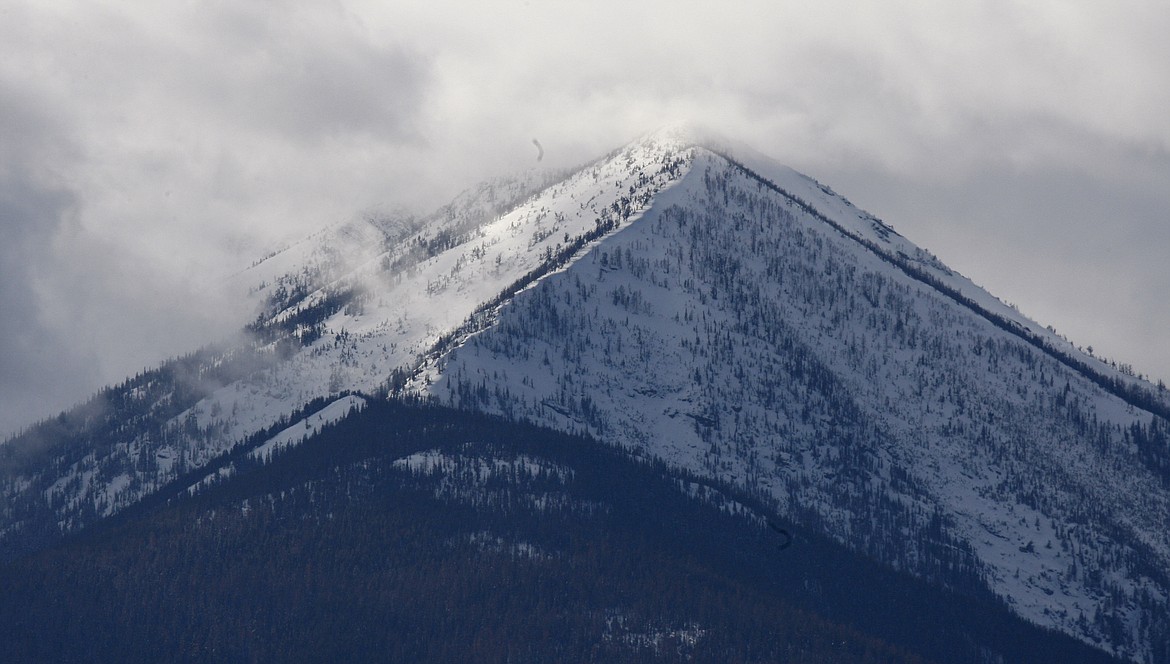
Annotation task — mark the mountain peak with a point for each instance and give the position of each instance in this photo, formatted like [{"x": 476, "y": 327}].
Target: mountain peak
[
  {"x": 680, "y": 134},
  {"x": 696, "y": 302}
]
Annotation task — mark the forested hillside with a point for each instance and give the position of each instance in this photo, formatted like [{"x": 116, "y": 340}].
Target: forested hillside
[{"x": 417, "y": 533}]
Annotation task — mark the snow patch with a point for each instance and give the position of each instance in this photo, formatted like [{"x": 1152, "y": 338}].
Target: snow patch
[{"x": 308, "y": 427}]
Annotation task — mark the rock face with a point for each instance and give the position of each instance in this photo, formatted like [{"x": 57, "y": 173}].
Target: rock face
[{"x": 701, "y": 305}]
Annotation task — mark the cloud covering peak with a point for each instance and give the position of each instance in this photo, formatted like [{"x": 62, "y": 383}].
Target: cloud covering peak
[{"x": 150, "y": 149}]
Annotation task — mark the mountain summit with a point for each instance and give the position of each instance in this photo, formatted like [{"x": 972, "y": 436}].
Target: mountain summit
[{"x": 693, "y": 303}]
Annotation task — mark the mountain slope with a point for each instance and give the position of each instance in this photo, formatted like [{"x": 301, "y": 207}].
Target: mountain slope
[
  {"x": 329, "y": 320},
  {"x": 736, "y": 333},
  {"x": 701, "y": 305}
]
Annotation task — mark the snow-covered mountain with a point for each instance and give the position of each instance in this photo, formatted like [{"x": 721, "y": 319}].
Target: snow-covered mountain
[{"x": 694, "y": 302}]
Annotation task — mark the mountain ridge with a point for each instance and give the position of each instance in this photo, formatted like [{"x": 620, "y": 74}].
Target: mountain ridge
[
  {"x": 572, "y": 396},
  {"x": 781, "y": 339}
]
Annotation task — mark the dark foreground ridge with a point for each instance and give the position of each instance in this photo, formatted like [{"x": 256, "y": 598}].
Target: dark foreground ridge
[{"x": 410, "y": 532}]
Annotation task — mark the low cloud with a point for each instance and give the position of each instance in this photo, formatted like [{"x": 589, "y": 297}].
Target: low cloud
[
  {"x": 151, "y": 149},
  {"x": 34, "y": 205}
]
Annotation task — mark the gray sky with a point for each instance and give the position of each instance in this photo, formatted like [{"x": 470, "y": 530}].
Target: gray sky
[{"x": 146, "y": 150}]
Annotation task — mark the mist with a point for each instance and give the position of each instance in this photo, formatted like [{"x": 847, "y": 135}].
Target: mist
[{"x": 150, "y": 152}]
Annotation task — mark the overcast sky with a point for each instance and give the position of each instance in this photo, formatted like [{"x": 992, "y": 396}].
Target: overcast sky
[{"x": 146, "y": 149}]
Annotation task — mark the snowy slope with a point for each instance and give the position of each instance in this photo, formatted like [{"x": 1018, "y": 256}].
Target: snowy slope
[
  {"x": 363, "y": 304},
  {"x": 407, "y": 298},
  {"x": 734, "y": 332}
]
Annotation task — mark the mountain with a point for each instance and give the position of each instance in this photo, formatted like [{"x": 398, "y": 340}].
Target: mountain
[{"x": 691, "y": 302}]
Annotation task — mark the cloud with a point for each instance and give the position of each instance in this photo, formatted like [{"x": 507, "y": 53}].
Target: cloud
[
  {"x": 1075, "y": 238},
  {"x": 34, "y": 205},
  {"x": 155, "y": 145},
  {"x": 147, "y": 154}
]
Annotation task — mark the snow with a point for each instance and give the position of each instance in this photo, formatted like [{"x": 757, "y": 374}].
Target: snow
[
  {"x": 862, "y": 225},
  {"x": 638, "y": 634},
  {"x": 487, "y": 541},
  {"x": 219, "y": 475},
  {"x": 416, "y": 288},
  {"x": 308, "y": 427},
  {"x": 400, "y": 322},
  {"x": 659, "y": 355},
  {"x": 494, "y": 482},
  {"x": 480, "y": 469}
]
